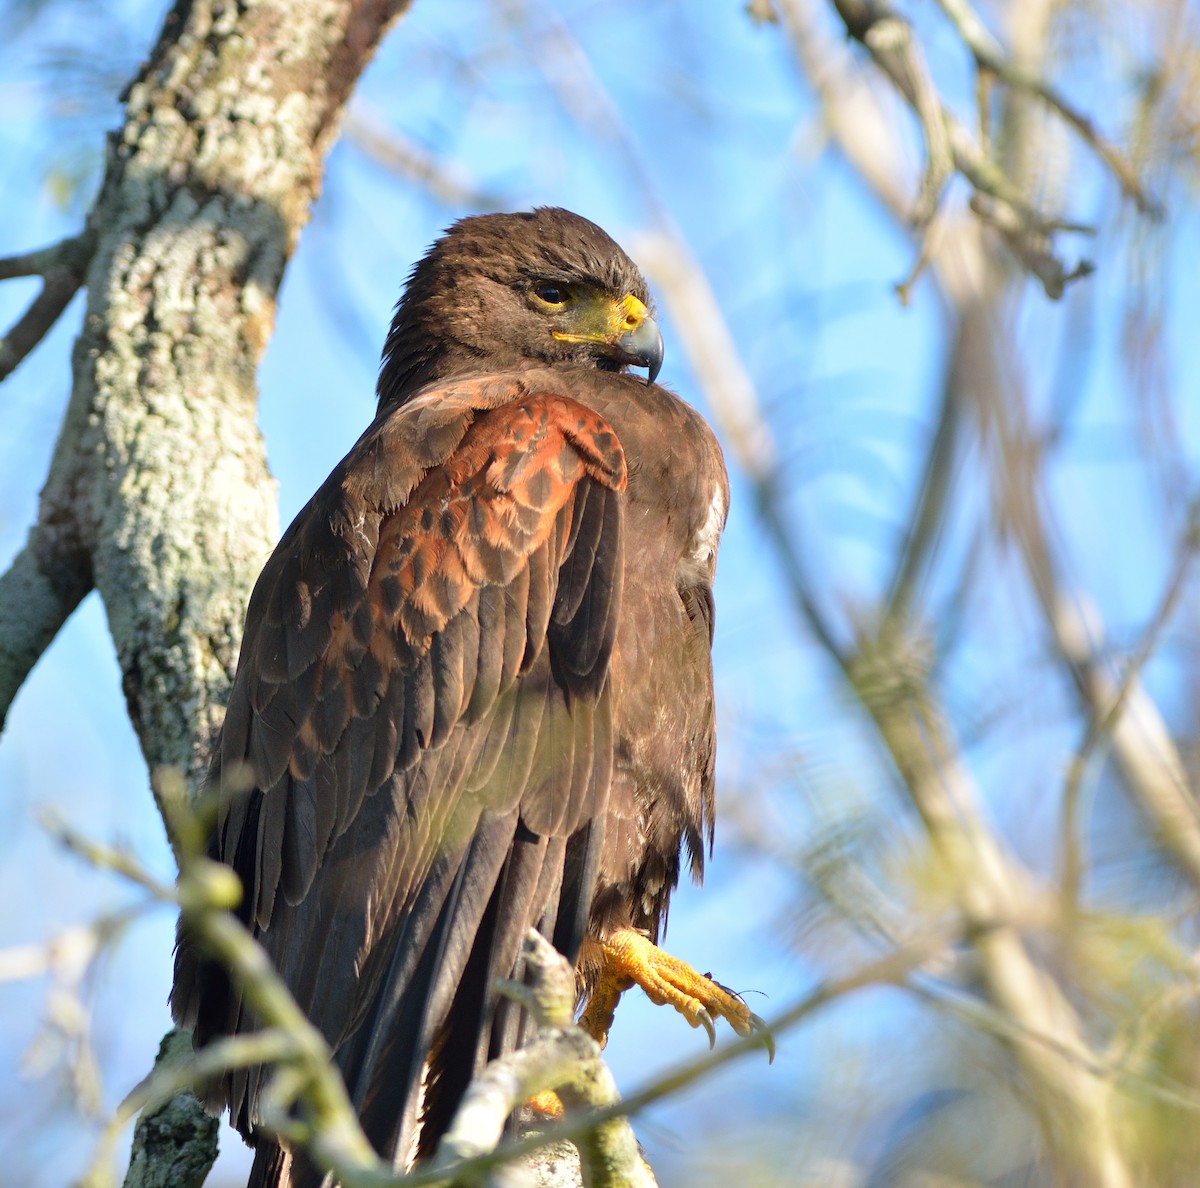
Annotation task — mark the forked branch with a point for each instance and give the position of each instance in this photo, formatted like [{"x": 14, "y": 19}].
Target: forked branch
[{"x": 62, "y": 267}]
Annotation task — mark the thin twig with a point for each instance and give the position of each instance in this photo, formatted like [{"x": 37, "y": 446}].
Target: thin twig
[
  {"x": 894, "y": 48},
  {"x": 990, "y": 56},
  {"x": 1104, "y": 715}
]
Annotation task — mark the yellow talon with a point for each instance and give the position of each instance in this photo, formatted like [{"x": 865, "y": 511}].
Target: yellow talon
[
  {"x": 546, "y": 1103},
  {"x": 628, "y": 958}
]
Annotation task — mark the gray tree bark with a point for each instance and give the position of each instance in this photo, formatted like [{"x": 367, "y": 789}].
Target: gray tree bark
[{"x": 159, "y": 495}]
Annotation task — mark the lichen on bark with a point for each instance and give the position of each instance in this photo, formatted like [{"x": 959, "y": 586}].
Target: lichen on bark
[{"x": 159, "y": 495}]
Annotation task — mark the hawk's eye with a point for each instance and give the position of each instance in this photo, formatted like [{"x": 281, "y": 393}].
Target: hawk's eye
[{"x": 551, "y": 294}]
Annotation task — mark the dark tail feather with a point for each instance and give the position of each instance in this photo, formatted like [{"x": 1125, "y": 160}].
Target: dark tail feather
[
  {"x": 436, "y": 1001},
  {"x": 272, "y": 1165},
  {"x": 383, "y": 1068},
  {"x": 546, "y": 883},
  {"x": 477, "y": 1021}
]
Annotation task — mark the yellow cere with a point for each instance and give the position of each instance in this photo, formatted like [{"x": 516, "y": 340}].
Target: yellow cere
[{"x": 606, "y": 321}]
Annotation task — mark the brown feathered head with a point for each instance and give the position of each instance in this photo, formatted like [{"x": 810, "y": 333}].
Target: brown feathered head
[{"x": 505, "y": 291}]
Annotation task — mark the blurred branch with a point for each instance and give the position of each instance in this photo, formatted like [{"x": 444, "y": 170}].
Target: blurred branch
[
  {"x": 985, "y": 1018},
  {"x": 990, "y": 56},
  {"x": 1104, "y": 718},
  {"x": 64, "y": 1037},
  {"x": 712, "y": 354},
  {"x": 889, "y": 39},
  {"x": 1074, "y": 1106},
  {"x": 205, "y": 892},
  {"x": 1146, "y": 756},
  {"x": 851, "y": 107},
  {"x": 366, "y": 128},
  {"x": 927, "y": 518},
  {"x": 1032, "y": 245},
  {"x": 584, "y": 98},
  {"x": 62, "y": 268},
  {"x": 716, "y": 364},
  {"x": 72, "y": 253},
  {"x": 696, "y": 314},
  {"x": 859, "y": 118},
  {"x": 866, "y": 137},
  {"x": 989, "y": 885}
]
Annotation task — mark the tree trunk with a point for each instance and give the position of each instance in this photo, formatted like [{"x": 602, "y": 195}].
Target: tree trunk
[{"x": 159, "y": 495}]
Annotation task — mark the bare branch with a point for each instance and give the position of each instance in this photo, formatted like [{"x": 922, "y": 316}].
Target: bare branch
[
  {"x": 892, "y": 39},
  {"x": 33, "y": 325},
  {"x": 366, "y": 128},
  {"x": 989, "y": 54},
  {"x": 1105, "y": 717},
  {"x": 988, "y": 885},
  {"x": 852, "y": 107},
  {"x": 72, "y": 254},
  {"x": 889, "y": 39},
  {"x": 62, "y": 269},
  {"x": 1147, "y": 758},
  {"x": 891, "y": 969},
  {"x": 988, "y": 881},
  {"x": 562, "y": 1057},
  {"x": 1031, "y": 245},
  {"x": 928, "y": 513},
  {"x": 717, "y": 365},
  {"x": 38, "y": 593}
]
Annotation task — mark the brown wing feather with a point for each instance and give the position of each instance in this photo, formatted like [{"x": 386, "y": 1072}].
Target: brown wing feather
[
  {"x": 384, "y": 650},
  {"x": 383, "y": 559}
]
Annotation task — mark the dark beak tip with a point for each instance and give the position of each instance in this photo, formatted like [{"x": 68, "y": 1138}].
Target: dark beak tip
[
  {"x": 642, "y": 347},
  {"x": 651, "y": 349}
]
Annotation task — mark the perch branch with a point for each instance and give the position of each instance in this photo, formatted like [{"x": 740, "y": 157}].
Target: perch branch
[{"x": 563, "y": 1058}]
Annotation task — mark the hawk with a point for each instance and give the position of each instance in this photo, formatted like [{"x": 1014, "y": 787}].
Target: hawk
[{"x": 475, "y": 688}]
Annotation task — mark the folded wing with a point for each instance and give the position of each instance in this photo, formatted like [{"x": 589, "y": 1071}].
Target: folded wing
[{"x": 418, "y": 743}]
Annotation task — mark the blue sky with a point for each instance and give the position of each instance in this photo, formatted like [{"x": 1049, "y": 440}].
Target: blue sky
[{"x": 803, "y": 263}]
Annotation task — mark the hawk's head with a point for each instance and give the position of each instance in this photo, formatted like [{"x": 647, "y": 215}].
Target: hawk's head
[{"x": 507, "y": 290}]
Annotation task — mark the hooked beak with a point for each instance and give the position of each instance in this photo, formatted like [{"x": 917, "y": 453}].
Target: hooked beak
[
  {"x": 643, "y": 347},
  {"x": 621, "y": 330}
]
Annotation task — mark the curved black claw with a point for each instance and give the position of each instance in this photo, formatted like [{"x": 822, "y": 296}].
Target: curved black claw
[
  {"x": 706, "y": 1021},
  {"x": 760, "y": 1027}
]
